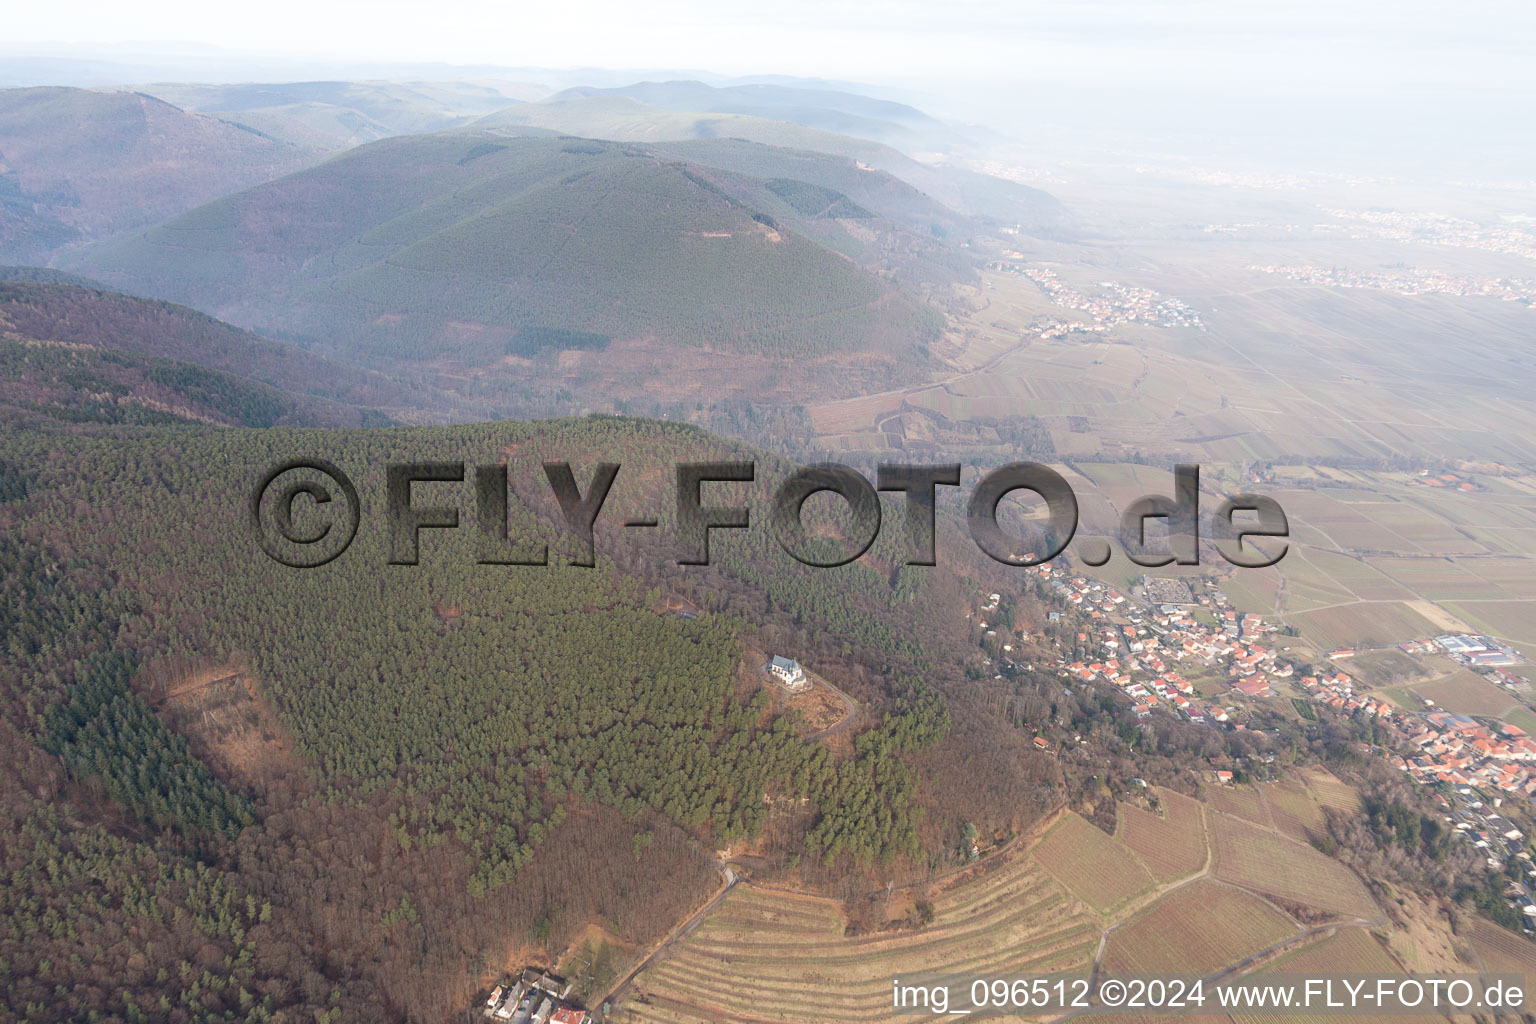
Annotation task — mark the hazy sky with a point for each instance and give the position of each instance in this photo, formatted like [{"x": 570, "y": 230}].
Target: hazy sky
[
  {"x": 1359, "y": 84},
  {"x": 1265, "y": 45}
]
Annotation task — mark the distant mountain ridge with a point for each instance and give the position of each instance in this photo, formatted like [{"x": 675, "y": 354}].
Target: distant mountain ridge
[
  {"x": 845, "y": 113},
  {"x": 447, "y": 246},
  {"x": 334, "y": 115},
  {"x": 78, "y": 165},
  {"x": 618, "y": 116}
]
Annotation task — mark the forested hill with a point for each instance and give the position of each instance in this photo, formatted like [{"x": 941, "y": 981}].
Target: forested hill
[
  {"x": 467, "y": 249},
  {"x": 81, "y": 164},
  {"x": 349, "y": 791},
  {"x": 612, "y": 115},
  {"x": 876, "y": 190},
  {"x": 78, "y": 352}
]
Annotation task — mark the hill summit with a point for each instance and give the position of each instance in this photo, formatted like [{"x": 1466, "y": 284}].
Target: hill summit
[{"x": 471, "y": 248}]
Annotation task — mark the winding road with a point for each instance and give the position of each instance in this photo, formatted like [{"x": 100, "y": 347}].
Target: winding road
[{"x": 847, "y": 719}]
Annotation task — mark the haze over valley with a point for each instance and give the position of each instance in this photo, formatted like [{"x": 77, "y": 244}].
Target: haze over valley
[{"x": 1295, "y": 250}]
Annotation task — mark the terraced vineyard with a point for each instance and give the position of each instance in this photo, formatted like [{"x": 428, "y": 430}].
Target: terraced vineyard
[
  {"x": 1241, "y": 801},
  {"x": 1502, "y": 950},
  {"x": 1265, "y": 862},
  {"x": 1294, "y": 810},
  {"x": 1350, "y": 950},
  {"x": 1330, "y": 791},
  {"x": 1172, "y": 844},
  {"x": 1347, "y": 951},
  {"x": 1196, "y": 929},
  {"x": 1099, "y": 869},
  {"x": 765, "y": 955}
]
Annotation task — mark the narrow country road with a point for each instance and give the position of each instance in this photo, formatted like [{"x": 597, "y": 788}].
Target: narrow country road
[{"x": 682, "y": 931}]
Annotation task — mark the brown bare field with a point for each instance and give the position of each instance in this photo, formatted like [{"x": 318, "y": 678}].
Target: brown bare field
[
  {"x": 766, "y": 955},
  {"x": 1196, "y": 929},
  {"x": 816, "y": 709},
  {"x": 1467, "y": 693},
  {"x": 1098, "y": 869},
  {"x": 1267, "y": 862},
  {"x": 853, "y": 414},
  {"x": 1365, "y": 623},
  {"x": 231, "y": 725},
  {"x": 1511, "y": 619},
  {"x": 1390, "y": 667},
  {"x": 1439, "y": 616},
  {"x": 1172, "y": 844},
  {"x": 1242, "y": 801},
  {"x": 1324, "y": 1018}
]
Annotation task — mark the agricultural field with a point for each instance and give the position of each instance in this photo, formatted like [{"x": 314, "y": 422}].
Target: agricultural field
[
  {"x": 1355, "y": 575},
  {"x": 764, "y": 955},
  {"x": 1266, "y": 862},
  {"x": 1368, "y": 560},
  {"x": 1348, "y": 950},
  {"x": 1324, "y": 1018},
  {"x": 1243, "y": 801},
  {"x": 1123, "y": 483},
  {"x": 1098, "y": 869},
  {"x": 1330, "y": 790},
  {"x": 1294, "y": 810},
  {"x": 1513, "y": 620},
  {"x": 1362, "y": 624},
  {"x": 1356, "y": 951},
  {"x": 1512, "y": 575},
  {"x": 1172, "y": 844},
  {"x": 1441, "y": 579},
  {"x": 1253, "y": 590},
  {"x": 1196, "y": 929},
  {"x": 1502, "y": 950},
  {"x": 1370, "y": 557},
  {"x": 1523, "y": 717},
  {"x": 1390, "y": 667},
  {"x": 1467, "y": 693}
]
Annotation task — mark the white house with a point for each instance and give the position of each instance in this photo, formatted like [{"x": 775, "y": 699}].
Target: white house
[{"x": 789, "y": 673}]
